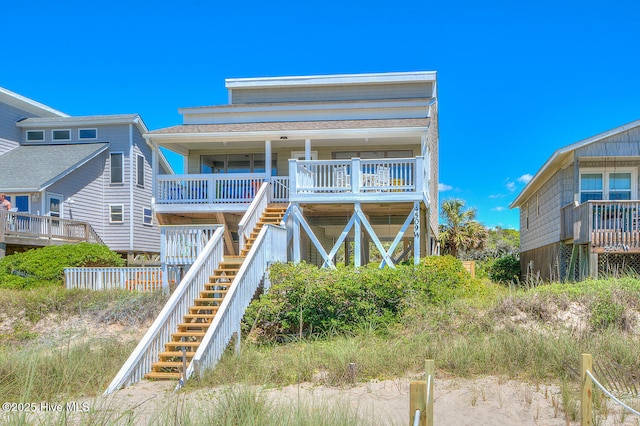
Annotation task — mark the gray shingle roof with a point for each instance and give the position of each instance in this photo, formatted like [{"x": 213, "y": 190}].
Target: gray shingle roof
[
  {"x": 294, "y": 125},
  {"x": 32, "y": 168}
]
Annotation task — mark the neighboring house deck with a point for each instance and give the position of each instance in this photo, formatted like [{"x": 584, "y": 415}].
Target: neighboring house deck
[
  {"x": 21, "y": 230},
  {"x": 579, "y": 215}
]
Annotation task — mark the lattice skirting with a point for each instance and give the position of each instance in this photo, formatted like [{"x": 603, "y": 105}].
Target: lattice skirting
[{"x": 617, "y": 263}]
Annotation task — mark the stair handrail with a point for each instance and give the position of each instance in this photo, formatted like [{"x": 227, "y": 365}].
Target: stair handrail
[
  {"x": 269, "y": 248},
  {"x": 148, "y": 349},
  {"x": 254, "y": 212}
]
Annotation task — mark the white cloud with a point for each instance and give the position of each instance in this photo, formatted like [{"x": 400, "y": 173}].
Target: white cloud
[
  {"x": 511, "y": 186},
  {"x": 442, "y": 187},
  {"x": 497, "y": 195},
  {"x": 498, "y": 209},
  {"x": 525, "y": 178}
]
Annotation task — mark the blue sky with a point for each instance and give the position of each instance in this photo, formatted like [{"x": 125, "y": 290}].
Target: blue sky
[{"x": 516, "y": 79}]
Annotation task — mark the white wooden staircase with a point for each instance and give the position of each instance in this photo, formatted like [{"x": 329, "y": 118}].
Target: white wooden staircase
[{"x": 185, "y": 341}]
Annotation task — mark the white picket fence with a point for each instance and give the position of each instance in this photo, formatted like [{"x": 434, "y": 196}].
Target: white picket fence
[{"x": 133, "y": 279}]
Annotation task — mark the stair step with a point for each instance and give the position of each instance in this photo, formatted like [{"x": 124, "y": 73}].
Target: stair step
[
  {"x": 212, "y": 287},
  {"x": 213, "y": 293},
  {"x": 232, "y": 260},
  {"x": 198, "y": 301},
  {"x": 177, "y": 344},
  {"x": 175, "y": 354},
  {"x": 185, "y": 327},
  {"x": 206, "y": 317},
  {"x": 166, "y": 364},
  {"x": 180, "y": 334},
  {"x": 162, "y": 375},
  {"x": 197, "y": 310}
]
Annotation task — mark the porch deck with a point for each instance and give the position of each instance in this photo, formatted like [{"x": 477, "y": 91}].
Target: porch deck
[
  {"x": 606, "y": 226},
  {"x": 23, "y": 229},
  {"x": 309, "y": 181}
]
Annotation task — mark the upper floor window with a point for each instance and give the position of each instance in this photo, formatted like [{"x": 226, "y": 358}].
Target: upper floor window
[
  {"x": 61, "y": 135},
  {"x": 140, "y": 170},
  {"x": 35, "y": 135},
  {"x": 619, "y": 184},
  {"x": 236, "y": 163},
  {"x": 345, "y": 155},
  {"x": 87, "y": 133},
  {"x": 147, "y": 216},
  {"x": 117, "y": 167}
]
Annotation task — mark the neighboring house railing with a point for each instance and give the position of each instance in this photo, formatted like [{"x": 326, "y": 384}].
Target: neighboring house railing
[
  {"x": 252, "y": 215},
  {"x": 370, "y": 177},
  {"x": 269, "y": 248},
  {"x": 134, "y": 279},
  {"x": 146, "y": 353},
  {"x": 609, "y": 226},
  {"x": 208, "y": 188},
  {"x": 14, "y": 226}
]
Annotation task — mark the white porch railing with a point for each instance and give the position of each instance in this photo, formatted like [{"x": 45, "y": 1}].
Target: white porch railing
[
  {"x": 24, "y": 225},
  {"x": 280, "y": 189},
  {"x": 252, "y": 215},
  {"x": 146, "y": 353},
  {"x": 181, "y": 244},
  {"x": 134, "y": 279},
  {"x": 208, "y": 188},
  {"x": 270, "y": 247},
  {"x": 397, "y": 175}
]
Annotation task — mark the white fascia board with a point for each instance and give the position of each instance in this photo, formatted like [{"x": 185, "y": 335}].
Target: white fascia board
[
  {"x": 251, "y": 108},
  {"x": 26, "y": 104},
  {"x": 74, "y": 168},
  {"x": 327, "y": 80},
  {"x": 290, "y": 134}
]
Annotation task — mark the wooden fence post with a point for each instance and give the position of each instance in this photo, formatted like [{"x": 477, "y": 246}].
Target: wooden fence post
[
  {"x": 417, "y": 399},
  {"x": 429, "y": 370},
  {"x": 586, "y": 391}
]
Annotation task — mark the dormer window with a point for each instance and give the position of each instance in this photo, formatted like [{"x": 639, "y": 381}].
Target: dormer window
[
  {"x": 61, "y": 135},
  {"x": 35, "y": 135}
]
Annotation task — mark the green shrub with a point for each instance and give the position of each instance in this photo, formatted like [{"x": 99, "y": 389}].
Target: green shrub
[
  {"x": 305, "y": 300},
  {"x": 605, "y": 313},
  {"x": 45, "y": 266},
  {"x": 505, "y": 269}
]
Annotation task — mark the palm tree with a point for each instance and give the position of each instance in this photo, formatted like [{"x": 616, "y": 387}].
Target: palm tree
[{"x": 460, "y": 231}]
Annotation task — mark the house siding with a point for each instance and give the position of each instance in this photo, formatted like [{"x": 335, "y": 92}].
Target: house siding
[
  {"x": 543, "y": 211},
  {"x": 146, "y": 238},
  {"x": 333, "y": 93},
  {"x": 10, "y": 134}
]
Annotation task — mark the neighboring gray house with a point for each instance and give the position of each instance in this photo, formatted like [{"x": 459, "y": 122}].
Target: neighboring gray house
[
  {"x": 95, "y": 169},
  {"x": 580, "y": 214}
]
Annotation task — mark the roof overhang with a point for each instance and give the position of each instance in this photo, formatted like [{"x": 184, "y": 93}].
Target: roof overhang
[
  {"x": 106, "y": 120},
  {"x": 28, "y": 105},
  {"x": 331, "y": 80}
]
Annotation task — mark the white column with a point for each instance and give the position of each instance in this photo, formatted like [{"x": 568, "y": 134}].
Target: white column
[
  {"x": 154, "y": 174},
  {"x": 307, "y": 149},
  {"x": 357, "y": 240},
  {"x": 267, "y": 159},
  {"x": 416, "y": 232}
]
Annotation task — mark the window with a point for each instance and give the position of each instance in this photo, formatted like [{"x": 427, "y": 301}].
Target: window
[
  {"x": 117, "y": 167},
  {"x": 20, "y": 202},
  {"x": 87, "y": 133},
  {"x": 54, "y": 205},
  {"x": 116, "y": 213},
  {"x": 147, "y": 218},
  {"x": 35, "y": 135},
  {"x": 345, "y": 155},
  {"x": 61, "y": 135},
  {"x": 236, "y": 163},
  {"x": 600, "y": 185},
  {"x": 140, "y": 170}
]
